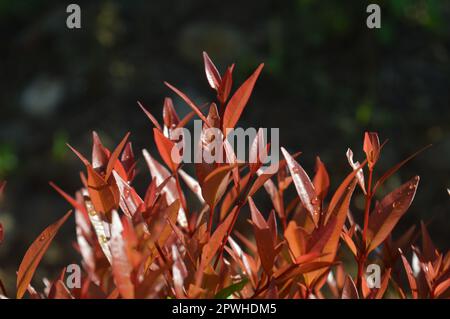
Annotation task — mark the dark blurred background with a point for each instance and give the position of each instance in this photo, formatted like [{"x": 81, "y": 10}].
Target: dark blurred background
[{"x": 328, "y": 78}]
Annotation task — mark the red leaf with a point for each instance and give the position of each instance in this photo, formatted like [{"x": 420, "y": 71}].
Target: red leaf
[
  {"x": 216, "y": 240},
  {"x": 264, "y": 238},
  {"x": 258, "y": 152},
  {"x": 212, "y": 74},
  {"x": 100, "y": 154},
  {"x": 128, "y": 161},
  {"x": 170, "y": 116},
  {"x": 103, "y": 196},
  {"x": 215, "y": 184},
  {"x": 321, "y": 180},
  {"x": 150, "y": 116},
  {"x": 167, "y": 149},
  {"x": 188, "y": 102},
  {"x": 115, "y": 155},
  {"x": 355, "y": 165},
  {"x": 193, "y": 185},
  {"x": 129, "y": 199},
  {"x": 239, "y": 100},
  {"x": 429, "y": 252},
  {"x": 34, "y": 255},
  {"x": 410, "y": 275},
  {"x": 161, "y": 174},
  {"x": 388, "y": 212},
  {"x": 59, "y": 291},
  {"x": 225, "y": 87},
  {"x": 371, "y": 148},
  {"x": 349, "y": 291},
  {"x": 395, "y": 168},
  {"x": 68, "y": 198},
  {"x": 304, "y": 187},
  {"x": 121, "y": 267}
]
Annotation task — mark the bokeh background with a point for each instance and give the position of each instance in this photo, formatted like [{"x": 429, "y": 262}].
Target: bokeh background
[{"x": 328, "y": 78}]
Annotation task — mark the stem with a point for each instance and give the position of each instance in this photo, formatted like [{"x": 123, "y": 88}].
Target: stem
[
  {"x": 362, "y": 256},
  {"x": 283, "y": 210},
  {"x": 240, "y": 204},
  {"x": 210, "y": 222},
  {"x": 367, "y": 207}
]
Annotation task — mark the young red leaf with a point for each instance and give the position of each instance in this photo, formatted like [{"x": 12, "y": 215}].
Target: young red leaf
[
  {"x": 371, "y": 148},
  {"x": 410, "y": 275},
  {"x": 212, "y": 74},
  {"x": 355, "y": 165},
  {"x": 239, "y": 100},
  {"x": 264, "y": 238},
  {"x": 150, "y": 116},
  {"x": 104, "y": 197},
  {"x": 128, "y": 161},
  {"x": 167, "y": 149},
  {"x": 193, "y": 185},
  {"x": 217, "y": 238},
  {"x": 115, "y": 155},
  {"x": 258, "y": 152},
  {"x": 321, "y": 180},
  {"x": 304, "y": 187},
  {"x": 429, "y": 252},
  {"x": 388, "y": 212},
  {"x": 215, "y": 184},
  {"x": 395, "y": 168},
  {"x": 34, "y": 255},
  {"x": 98, "y": 225},
  {"x": 188, "y": 102},
  {"x": 68, "y": 198},
  {"x": 129, "y": 199},
  {"x": 225, "y": 87},
  {"x": 170, "y": 116},
  {"x": 100, "y": 154},
  {"x": 121, "y": 267},
  {"x": 161, "y": 174},
  {"x": 349, "y": 291},
  {"x": 379, "y": 293}
]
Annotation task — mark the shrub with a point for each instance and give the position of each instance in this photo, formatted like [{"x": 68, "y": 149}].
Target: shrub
[{"x": 158, "y": 245}]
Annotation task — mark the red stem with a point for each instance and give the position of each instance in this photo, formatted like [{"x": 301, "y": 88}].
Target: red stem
[{"x": 362, "y": 256}]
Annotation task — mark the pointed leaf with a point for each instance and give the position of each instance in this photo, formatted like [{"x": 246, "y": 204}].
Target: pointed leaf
[
  {"x": 34, "y": 255},
  {"x": 217, "y": 238},
  {"x": 388, "y": 212},
  {"x": 304, "y": 187},
  {"x": 121, "y": 267},
  {"x": 212, "y": 74},
  {"x": 321, "y": 180},
  {"x": 115, "y": 155},
  {"x": 188, "y": 102},
  {"x": 349, "y": 291},
  {"x": 150, "y": 116},
  {"x": 167, "y": 149},
  {"x": 410, "y": 275},
  {"x": 239, "y": 100}
]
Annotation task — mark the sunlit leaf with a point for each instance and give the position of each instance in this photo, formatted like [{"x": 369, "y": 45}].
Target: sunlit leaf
[
  {"x": 239, "y": 100},
  {"x": 388, "y": 212},
  {"x": 35, "y": 253},
  {"x": 121, "y": 266},
  {"x": 304, "y": 187},
  {"x": 212, "y": 74}
]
